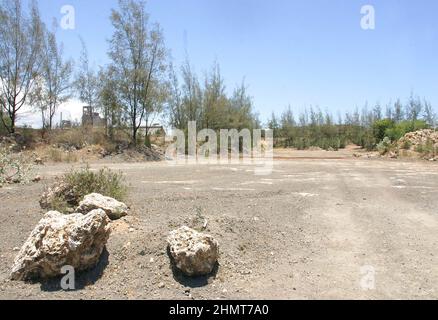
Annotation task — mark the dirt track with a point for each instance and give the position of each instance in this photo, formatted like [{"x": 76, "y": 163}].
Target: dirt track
[{"x": 303, "y": 232}]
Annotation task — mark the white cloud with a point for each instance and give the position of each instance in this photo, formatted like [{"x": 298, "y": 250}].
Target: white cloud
[{"x": 71, "y": 110}]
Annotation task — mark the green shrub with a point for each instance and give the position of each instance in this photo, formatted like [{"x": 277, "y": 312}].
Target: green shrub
[
  {"x": 384, "y": 146},
  {"x": 400, "y": 129},
  {"x": 420, "y": 149},
  {"x": 104, "y": 181},
  {"x": 380, "y": 127},
  {"x": 406, "y": 145},
  {"x": 368, "y": 141},
  {"x": 427, "y": 149},
  {"x": 3, "y": 129},
  {"x": 79, "y": 183},
  {"x": 394, "y": 131}
]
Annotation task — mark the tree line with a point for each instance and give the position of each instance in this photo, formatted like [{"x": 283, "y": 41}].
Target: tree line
[
  {"x": 137, "y": 86},
  {"x": 365, "y": 127}
]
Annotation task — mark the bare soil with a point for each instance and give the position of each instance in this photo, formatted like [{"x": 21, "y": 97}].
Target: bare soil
[{"x": 303, "y": 232}]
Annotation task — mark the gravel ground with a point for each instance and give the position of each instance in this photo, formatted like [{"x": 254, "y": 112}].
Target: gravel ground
[{"x": 316, "y": 228}]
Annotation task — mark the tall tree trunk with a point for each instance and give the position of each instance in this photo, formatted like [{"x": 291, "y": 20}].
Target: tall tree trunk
[
  {"x": 134, "y": 135},
  {"x": 12, "y": 128}
]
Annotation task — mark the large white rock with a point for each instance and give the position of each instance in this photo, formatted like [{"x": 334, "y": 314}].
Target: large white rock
[
  {"x": 194, "y": 253},
  {"x": 113, "y": 208},
  {"x": 58, "y": 240}
]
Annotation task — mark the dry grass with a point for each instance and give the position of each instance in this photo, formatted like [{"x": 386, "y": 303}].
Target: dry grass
[{"x": 58, "y": 155}]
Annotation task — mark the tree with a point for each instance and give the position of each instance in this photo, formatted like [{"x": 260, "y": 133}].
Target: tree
[
  {"x": 109, "y": 101},
  {"x": 191, "y": 95},
  {"x": 87, "y": 81},
  {"x": 209, "y": 106},
  {"x": 138, "y": 59},
  {"x": 274, "y": 125},
  {"x": 215, "y": 102},
  {"x": 21, "y": 38},
  {"x": 241, "y": 115},
  {"x": 288, "y": 126},
  {"x": 287, "y": 118},
  {"x": 175, "y": 105},
  {"x": 413, "y": 108},
  {"x": 377, "y": 112},
  {"x": 389, "y": 111},
  {"x": 380, "y": 128},
  {"x": 429, "y": 114},
  {"x": 398, "y": 111},
  {"x": 53, "y": 84}
]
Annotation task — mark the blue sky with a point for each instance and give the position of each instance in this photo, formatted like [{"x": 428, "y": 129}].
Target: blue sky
[{"x": 297, "y": 52}]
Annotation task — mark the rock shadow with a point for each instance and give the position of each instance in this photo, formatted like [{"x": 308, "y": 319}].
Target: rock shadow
[{"x": 83, "y": 278}]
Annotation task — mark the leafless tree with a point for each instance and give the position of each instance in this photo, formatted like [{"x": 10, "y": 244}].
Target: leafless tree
[
  {"x": 87, "y": 81},
  {"x": 53, "y": 84}
]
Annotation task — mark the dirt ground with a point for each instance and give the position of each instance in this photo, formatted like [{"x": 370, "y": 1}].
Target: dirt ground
[{"x": 318, "y": 227}]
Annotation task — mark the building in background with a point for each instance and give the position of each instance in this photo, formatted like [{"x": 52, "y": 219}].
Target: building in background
[
  {"x": 154, "y": 130},
  {"x": 91, "y": 118}
]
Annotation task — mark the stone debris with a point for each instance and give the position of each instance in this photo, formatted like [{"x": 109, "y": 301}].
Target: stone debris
[
  {"x": 39, "y": 161},
  {"x": 419, "y": 138}
]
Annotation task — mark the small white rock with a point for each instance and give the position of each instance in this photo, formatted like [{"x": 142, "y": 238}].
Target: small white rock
[{"x": 113, "y": 208}]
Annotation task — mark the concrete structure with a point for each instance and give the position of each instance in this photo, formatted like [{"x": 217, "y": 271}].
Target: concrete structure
[
  {"x": 66, "y": 124},
  {"x": 153, "y": 130},
  {"x": 91, "y": 118}
]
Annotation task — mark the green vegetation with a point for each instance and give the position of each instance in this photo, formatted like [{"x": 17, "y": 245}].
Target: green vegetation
[
  {"x": 427, "y": 149},
  {"x": 208, "y": 104},
  {"x": 366, "y": 128},
  {"x": 76, "y": 184},
  {"x": 5, "y": 123},
  {"x": 384, "y": 146},
  {"x": 381, "y": 127},
  {"x": 105, "y": 182},
  {"x": 398, "y": 130}
]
